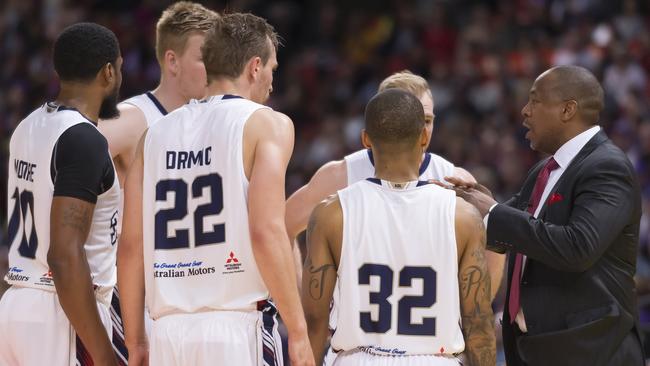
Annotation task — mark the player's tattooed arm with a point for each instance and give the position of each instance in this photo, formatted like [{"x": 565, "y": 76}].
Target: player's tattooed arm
[
  {"x": 319, "y": 276},
  {"x": 70, "y": 221},
  {"x": 475, "y": 294}
]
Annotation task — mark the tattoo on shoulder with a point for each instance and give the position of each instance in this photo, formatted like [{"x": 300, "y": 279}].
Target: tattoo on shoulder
[
  {"x": 317, "y": 278},
  {"x": 76, "y": 217}
]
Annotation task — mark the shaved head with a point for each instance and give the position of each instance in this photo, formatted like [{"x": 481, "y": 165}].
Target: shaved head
[
  {"x": 575, "y": 83},
  {"x": 394, "y": 118}
]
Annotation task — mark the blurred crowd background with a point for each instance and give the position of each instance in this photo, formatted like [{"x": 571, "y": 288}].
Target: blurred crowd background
[{"x": 480, "y": 58}]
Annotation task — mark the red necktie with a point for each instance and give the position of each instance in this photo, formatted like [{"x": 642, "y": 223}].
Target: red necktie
[{"x": 540, "y": 183}]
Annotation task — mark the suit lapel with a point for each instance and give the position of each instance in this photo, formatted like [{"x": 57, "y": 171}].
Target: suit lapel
[{"x": 569, "y": 172}]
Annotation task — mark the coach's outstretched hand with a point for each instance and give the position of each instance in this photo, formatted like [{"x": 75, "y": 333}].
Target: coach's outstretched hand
[{"x": 474, "y": 193}]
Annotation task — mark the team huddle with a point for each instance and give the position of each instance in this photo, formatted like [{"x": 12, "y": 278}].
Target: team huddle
[{"x": 156, "y": 231}]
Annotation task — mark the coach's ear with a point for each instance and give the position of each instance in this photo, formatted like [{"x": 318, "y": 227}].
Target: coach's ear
[{"x": 365, "y": 139}]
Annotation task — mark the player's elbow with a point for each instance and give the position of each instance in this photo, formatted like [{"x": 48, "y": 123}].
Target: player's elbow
[{"x": 264, "y": 234}]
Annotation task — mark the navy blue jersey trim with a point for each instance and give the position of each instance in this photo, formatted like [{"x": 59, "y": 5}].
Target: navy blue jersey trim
[
  {"x": 156, "y": 102},
  {"x": 374, "y": 180},
  {"x": 423, "y": 166},
  {"x": 230, "y": 96},
  {"x": 372, "y": 158},
  {"x": 425, "y": 163},
  {"x": 422, "y": 183}
]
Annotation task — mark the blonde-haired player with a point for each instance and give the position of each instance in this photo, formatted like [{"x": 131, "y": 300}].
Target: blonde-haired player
[{"x": 180, "y": 32}]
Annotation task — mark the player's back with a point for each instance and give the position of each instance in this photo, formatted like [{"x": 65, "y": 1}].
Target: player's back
[
  {"x": 30, "y": 192},
  {"x": 197, "y": 248},
  {"x": 398, "y": 272}
]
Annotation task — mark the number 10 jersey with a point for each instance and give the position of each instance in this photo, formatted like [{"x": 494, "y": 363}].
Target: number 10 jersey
[
  {"x": 197, "y": 248},
  {"x": 398, "y": 272}
]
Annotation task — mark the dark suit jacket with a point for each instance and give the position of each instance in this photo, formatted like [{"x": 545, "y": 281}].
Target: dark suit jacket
[{"x": 577, "y": 289}]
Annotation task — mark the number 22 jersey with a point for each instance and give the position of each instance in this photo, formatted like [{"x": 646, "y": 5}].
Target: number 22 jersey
[
  {"x": 197, "y": 247},
  {"x": 398, "y": 272}
]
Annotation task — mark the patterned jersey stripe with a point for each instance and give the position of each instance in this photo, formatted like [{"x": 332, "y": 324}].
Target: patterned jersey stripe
[
  {"x": 269, "y": 329},
  {"x": 83, "y": 356},
  {"x": 118, "y": 330}
]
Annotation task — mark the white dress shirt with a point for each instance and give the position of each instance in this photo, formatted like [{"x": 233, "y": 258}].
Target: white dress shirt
[{"x": 563, "y": 156}]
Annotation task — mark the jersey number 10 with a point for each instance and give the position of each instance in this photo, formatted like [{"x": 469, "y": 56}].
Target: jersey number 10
[
  {"x": 179, "y": 211},
  {"x": 24, "y": 201}
]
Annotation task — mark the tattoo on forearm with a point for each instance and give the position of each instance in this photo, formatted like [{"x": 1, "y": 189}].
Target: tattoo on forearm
[
  {"x": 317, "y": 278},
  {"x": 76, "y": 217}
]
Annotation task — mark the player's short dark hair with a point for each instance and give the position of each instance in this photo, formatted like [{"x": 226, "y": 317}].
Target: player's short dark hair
[
  {"x": 233, "y": 41},
  {"x": 82, "y": 49},
  {"x": 394, "y": 117}
]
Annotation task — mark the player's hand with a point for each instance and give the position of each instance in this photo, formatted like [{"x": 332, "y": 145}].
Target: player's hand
[
  {"x": 139, "y": 355},
  {"x": 300, "y": 353}
]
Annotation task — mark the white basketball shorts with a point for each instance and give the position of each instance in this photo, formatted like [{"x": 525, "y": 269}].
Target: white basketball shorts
[
  {"x": 243, "y": 338},
  {"x": 34, "y": 330}
]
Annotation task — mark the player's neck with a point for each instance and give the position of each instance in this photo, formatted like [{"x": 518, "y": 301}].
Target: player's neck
[
  {"x": 81, "y": 98},
  {"x": 169, "y": 96},
  {"x": 226, "y": 86},
  {"x": 397, "y": 168}
]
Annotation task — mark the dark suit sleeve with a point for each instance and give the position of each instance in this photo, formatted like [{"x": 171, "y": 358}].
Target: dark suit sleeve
[{"x": 604, "y": 200}]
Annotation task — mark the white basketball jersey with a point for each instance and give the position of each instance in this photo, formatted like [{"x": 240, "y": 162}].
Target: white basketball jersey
[
  {"x": 197, "y": 247},
  {"x": 30, "y": 193},
  {"x": 398, "y": 273},
  {"x": 361, "y": 165},
  {"x": 149, "y": 105}
]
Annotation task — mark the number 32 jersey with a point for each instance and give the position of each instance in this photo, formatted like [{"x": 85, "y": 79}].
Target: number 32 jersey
[
  {"x": 197, "y": 247},
  {"x": 398, "y": 272}
]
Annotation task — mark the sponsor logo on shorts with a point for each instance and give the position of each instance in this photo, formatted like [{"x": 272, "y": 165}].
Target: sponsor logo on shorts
[
  {"x": 233, "y": 265},
  {"x": 15, "y": 274},
  {"x": 182, "y": 269}
]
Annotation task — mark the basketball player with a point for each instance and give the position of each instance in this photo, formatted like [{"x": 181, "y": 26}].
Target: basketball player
[
  {"x": 63, "y": 199},
  {"x": 179, "y": 36},
  {"x": 336, "y": 175},
  {"x": 206, "y": 197},
  {"x": 409, "y": 257}
]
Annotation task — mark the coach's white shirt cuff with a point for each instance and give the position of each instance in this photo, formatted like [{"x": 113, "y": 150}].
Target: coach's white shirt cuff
[{"x": 487, "y": 215}]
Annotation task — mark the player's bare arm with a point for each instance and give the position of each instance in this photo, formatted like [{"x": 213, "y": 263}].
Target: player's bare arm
[
  {"x": 326, "y": 181},
  {"x": 268, "y": 144},
  {"x": 123, "y": 134},
  {"x": 474, "y": 282},
  {"x": 319, "y": 272},
  {"x": 70, "y": 221},
  {"x": 130, "y": 265}
]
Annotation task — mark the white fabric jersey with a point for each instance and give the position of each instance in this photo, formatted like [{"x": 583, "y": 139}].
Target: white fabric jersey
[
  {"x": 361, "y": 165},
  {"x": 398, "y": 273},
  {"x": 30, "y": 193},
  {"x": 153, "y": 110},
  {"x": 197, "y": 247},
  {"x": 149, "y": 105}
]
